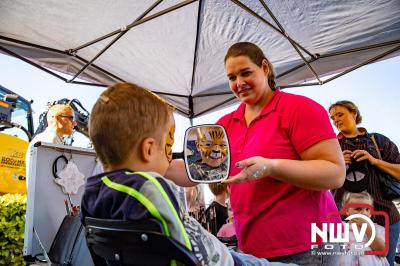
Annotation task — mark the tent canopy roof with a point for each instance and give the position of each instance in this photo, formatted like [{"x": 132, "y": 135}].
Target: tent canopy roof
[{"x": 176, "y": 48}]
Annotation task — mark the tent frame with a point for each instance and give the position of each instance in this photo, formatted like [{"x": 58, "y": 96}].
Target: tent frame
[{"x": 142, "y": 19}]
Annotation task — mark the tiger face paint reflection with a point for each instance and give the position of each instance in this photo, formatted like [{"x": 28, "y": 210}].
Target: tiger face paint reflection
[
  {"x": 212, "y": 146},
  {"x": 169, "y": 143}
]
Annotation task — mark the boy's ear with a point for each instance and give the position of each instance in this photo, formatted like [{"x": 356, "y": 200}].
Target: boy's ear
[{"x": 147, "y": 148}]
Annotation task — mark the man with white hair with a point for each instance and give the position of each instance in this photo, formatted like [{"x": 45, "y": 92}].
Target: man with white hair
[{"x": 60, "y": 123}]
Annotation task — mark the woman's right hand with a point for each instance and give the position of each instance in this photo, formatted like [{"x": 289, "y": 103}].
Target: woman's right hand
[
  {"x": 253, "y": 169},
  {"x": 347, "y": 156}
]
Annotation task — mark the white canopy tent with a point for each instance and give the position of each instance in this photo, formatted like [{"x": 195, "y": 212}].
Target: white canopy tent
[{"x": 176, "y": 48}]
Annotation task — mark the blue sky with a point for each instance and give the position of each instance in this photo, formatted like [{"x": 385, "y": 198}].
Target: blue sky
[{"x": 374, "y": 88}]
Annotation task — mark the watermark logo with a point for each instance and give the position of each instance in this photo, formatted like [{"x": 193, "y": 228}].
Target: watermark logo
[{"x": 331, "y": 234}]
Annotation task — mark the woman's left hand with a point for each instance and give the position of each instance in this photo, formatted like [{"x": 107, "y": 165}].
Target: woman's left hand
[
  {"x": 361, "y": 155},
  {"x": 254, "y": 168}
]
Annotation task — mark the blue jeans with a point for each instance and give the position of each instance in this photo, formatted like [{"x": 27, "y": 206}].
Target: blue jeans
[
  {"x": 242, "y": 259},
  {"x": 313, "y": 257},
  {"x": 394, "y": 230}
]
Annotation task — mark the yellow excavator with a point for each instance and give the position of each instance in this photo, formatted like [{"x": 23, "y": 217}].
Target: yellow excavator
[{"x": 16, "y": 130}]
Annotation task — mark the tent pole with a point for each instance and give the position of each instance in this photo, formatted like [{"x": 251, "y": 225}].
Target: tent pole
[
  {"x": 169, "y": 94},
  {"x": 88, "y": 84},
  {"x": 213, "y": 94},
  {"x": 339, "y": 53},
  {"x": 32, "y": 45},
  {"x": 299, "y": 85},
  {"x": 54, "y": 51},
  {"x": 361, "y": 49},
  {"x": 122, "y": 33},
  {"x": 32, "y": 63},
  {"x": 196, "y": 46},
  {"x": 347, "y": 70},
  {"x": 364, "y": 63},
  {"x": 291, "y": 41},
  {"x": 247, "y": 9},
  {"x": 219, "y": 104},
  {"x": 134, "y": 24},
  {"x": 191, "y": 111}
]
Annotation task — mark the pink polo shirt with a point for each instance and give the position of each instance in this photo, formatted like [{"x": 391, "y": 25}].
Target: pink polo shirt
[{"x": 273, "y": 218}]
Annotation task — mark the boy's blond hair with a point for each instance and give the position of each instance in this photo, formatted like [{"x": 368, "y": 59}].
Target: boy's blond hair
[
  {"x": 361, "y": 195},
  {"x": 123, "y": 116}
]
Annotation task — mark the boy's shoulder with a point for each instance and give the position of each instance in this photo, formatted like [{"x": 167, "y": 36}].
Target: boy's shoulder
[
  {"x": 125, "y": 180},
  {"x": 126, "y": 177},
  {"x": 121, "y": 177},
  {"x": 118, "y": 184}
]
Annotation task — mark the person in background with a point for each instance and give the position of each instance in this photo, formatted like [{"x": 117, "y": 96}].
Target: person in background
[
  {"x": 217, "y": 212},
  {"x": 227, "y": 230},
  {"x": 378, "y": 243},
  {"x": 227, "y": 233},
  {"x": 60, "y": 123},
  {"x": 361, "y": 156}
]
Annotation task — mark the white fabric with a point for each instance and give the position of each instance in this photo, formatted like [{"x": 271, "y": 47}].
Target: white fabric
[
  {"x": 164, "y": 55},
  {"x": 70, "y": 178},
  {"x": 366, "y": 260}
]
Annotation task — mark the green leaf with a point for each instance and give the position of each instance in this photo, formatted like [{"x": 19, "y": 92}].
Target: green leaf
[{"x": 12, "y": 223}]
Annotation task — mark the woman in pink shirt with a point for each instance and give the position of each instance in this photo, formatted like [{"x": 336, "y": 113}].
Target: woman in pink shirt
[{"x": 285, "y": 159}]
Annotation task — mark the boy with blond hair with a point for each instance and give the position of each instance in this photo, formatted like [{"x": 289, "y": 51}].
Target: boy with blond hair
[
  {"x": 378, "y": 244},
  {"x": 132, "y": 131}
]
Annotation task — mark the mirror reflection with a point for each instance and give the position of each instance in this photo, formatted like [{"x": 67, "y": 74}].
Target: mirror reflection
[{"x": 206, "y": 154}]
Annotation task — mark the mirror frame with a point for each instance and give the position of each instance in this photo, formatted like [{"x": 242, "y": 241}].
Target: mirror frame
[{"x": 228, "y": 160}]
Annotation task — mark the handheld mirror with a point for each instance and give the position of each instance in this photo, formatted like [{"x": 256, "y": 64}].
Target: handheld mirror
[{"x": 206, "y": 153}]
